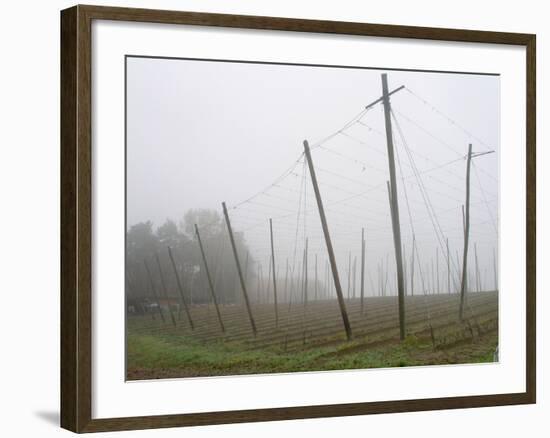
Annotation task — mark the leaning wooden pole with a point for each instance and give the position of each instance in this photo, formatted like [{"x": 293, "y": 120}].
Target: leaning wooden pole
[
  {"x": 466, "y": 237},
  {"x": 210, "y": 282},
  {"x": 362, "y": 271},
  {"x": 154, "y": 290},
  {"x": 165, "y": 290},
  {"x": 394, "y": 206},
  {"x": 274, "y": 276},
  {"x": 241, "y": 278},
  {"x": 180, "y": 289},
  {"x": 328, "y": 242}
]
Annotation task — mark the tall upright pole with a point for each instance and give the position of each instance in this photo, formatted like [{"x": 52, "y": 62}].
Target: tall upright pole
[
  {"x": 394, "y": 206},
  {"x": 165, "y": 290},
  {"x": 274, "y": 276},
  {"x": 268, "y": 288},
  {"x": 328, "y": 242},
  {"x": 405, "y": 287},
  {"x": 237, "y": 263},
  {"x": 210, "y": 283},
  {"x": 362, "y": 270},
  {"x": 466, "y": 237},
  {"x": 180, "y": 289}
]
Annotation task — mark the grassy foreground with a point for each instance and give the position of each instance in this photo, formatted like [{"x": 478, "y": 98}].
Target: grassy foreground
[{"x": 167, "y": 355}]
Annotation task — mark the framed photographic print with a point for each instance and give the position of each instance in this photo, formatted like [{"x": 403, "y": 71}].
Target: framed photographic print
[{"x": 323, "y": 218}]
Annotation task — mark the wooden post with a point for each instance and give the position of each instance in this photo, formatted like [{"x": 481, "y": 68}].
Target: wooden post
[
  {"x": 210, "y": 283},
  {"x": 268, "y": 287},
  {"x": 180, "y": 288},
  {"x": 362, "y": 270},
  {"x": 241, "y": 278},
  {"x": 405, "y": 287},
  {"x": 466, "y": 237},
  {"x": 328, "y": 242},
  {"x": 460, "y": 274},
  {"x": 274, "y": 275},
  {"x": 165, "y": 290},
  {"x": 154, "y": 290},
  {"x": 394, "y": 206}
]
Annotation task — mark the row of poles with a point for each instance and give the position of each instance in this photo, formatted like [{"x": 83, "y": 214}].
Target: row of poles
[{"x": 398, "y": 247}]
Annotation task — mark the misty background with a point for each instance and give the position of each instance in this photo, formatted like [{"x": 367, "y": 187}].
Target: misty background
[{"x": 201, "y": 132}]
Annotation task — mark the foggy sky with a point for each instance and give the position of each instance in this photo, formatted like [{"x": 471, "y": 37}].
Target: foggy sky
[{"x": 199, "y": 133}]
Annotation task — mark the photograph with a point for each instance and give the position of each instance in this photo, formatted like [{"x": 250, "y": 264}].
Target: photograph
[{"x": 286, "y": 218}]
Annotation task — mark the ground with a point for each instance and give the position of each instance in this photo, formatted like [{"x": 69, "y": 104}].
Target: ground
[{"x": 313, "y": 338}]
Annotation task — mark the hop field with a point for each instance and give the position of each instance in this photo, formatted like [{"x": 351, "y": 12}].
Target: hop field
[{"x": 312, "y": 337}]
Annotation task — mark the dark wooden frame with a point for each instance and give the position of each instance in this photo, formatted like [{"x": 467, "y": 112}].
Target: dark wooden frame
[{"x": 76, "y": 218}]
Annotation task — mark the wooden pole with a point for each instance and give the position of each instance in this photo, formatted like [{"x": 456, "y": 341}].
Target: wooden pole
[
  {"x": 180, "y": 288},
  {"x": 394, "y": 206},
  {"x": 466, "y": 237},
  {"x": 268, "y": 287},
  {"x": 328, "y": 242},
  {"x": 405, "y": 287},
  {"x": 237, "y": 263},
  {"x": 210, "y": 283},
  {"x": 362, "y": 270},
  {"x": 165, "y": 290},
  {"x": 274, "y": 276},
  {"x": 245, "y": 273},
  {"x": 154, "y": 290}
]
